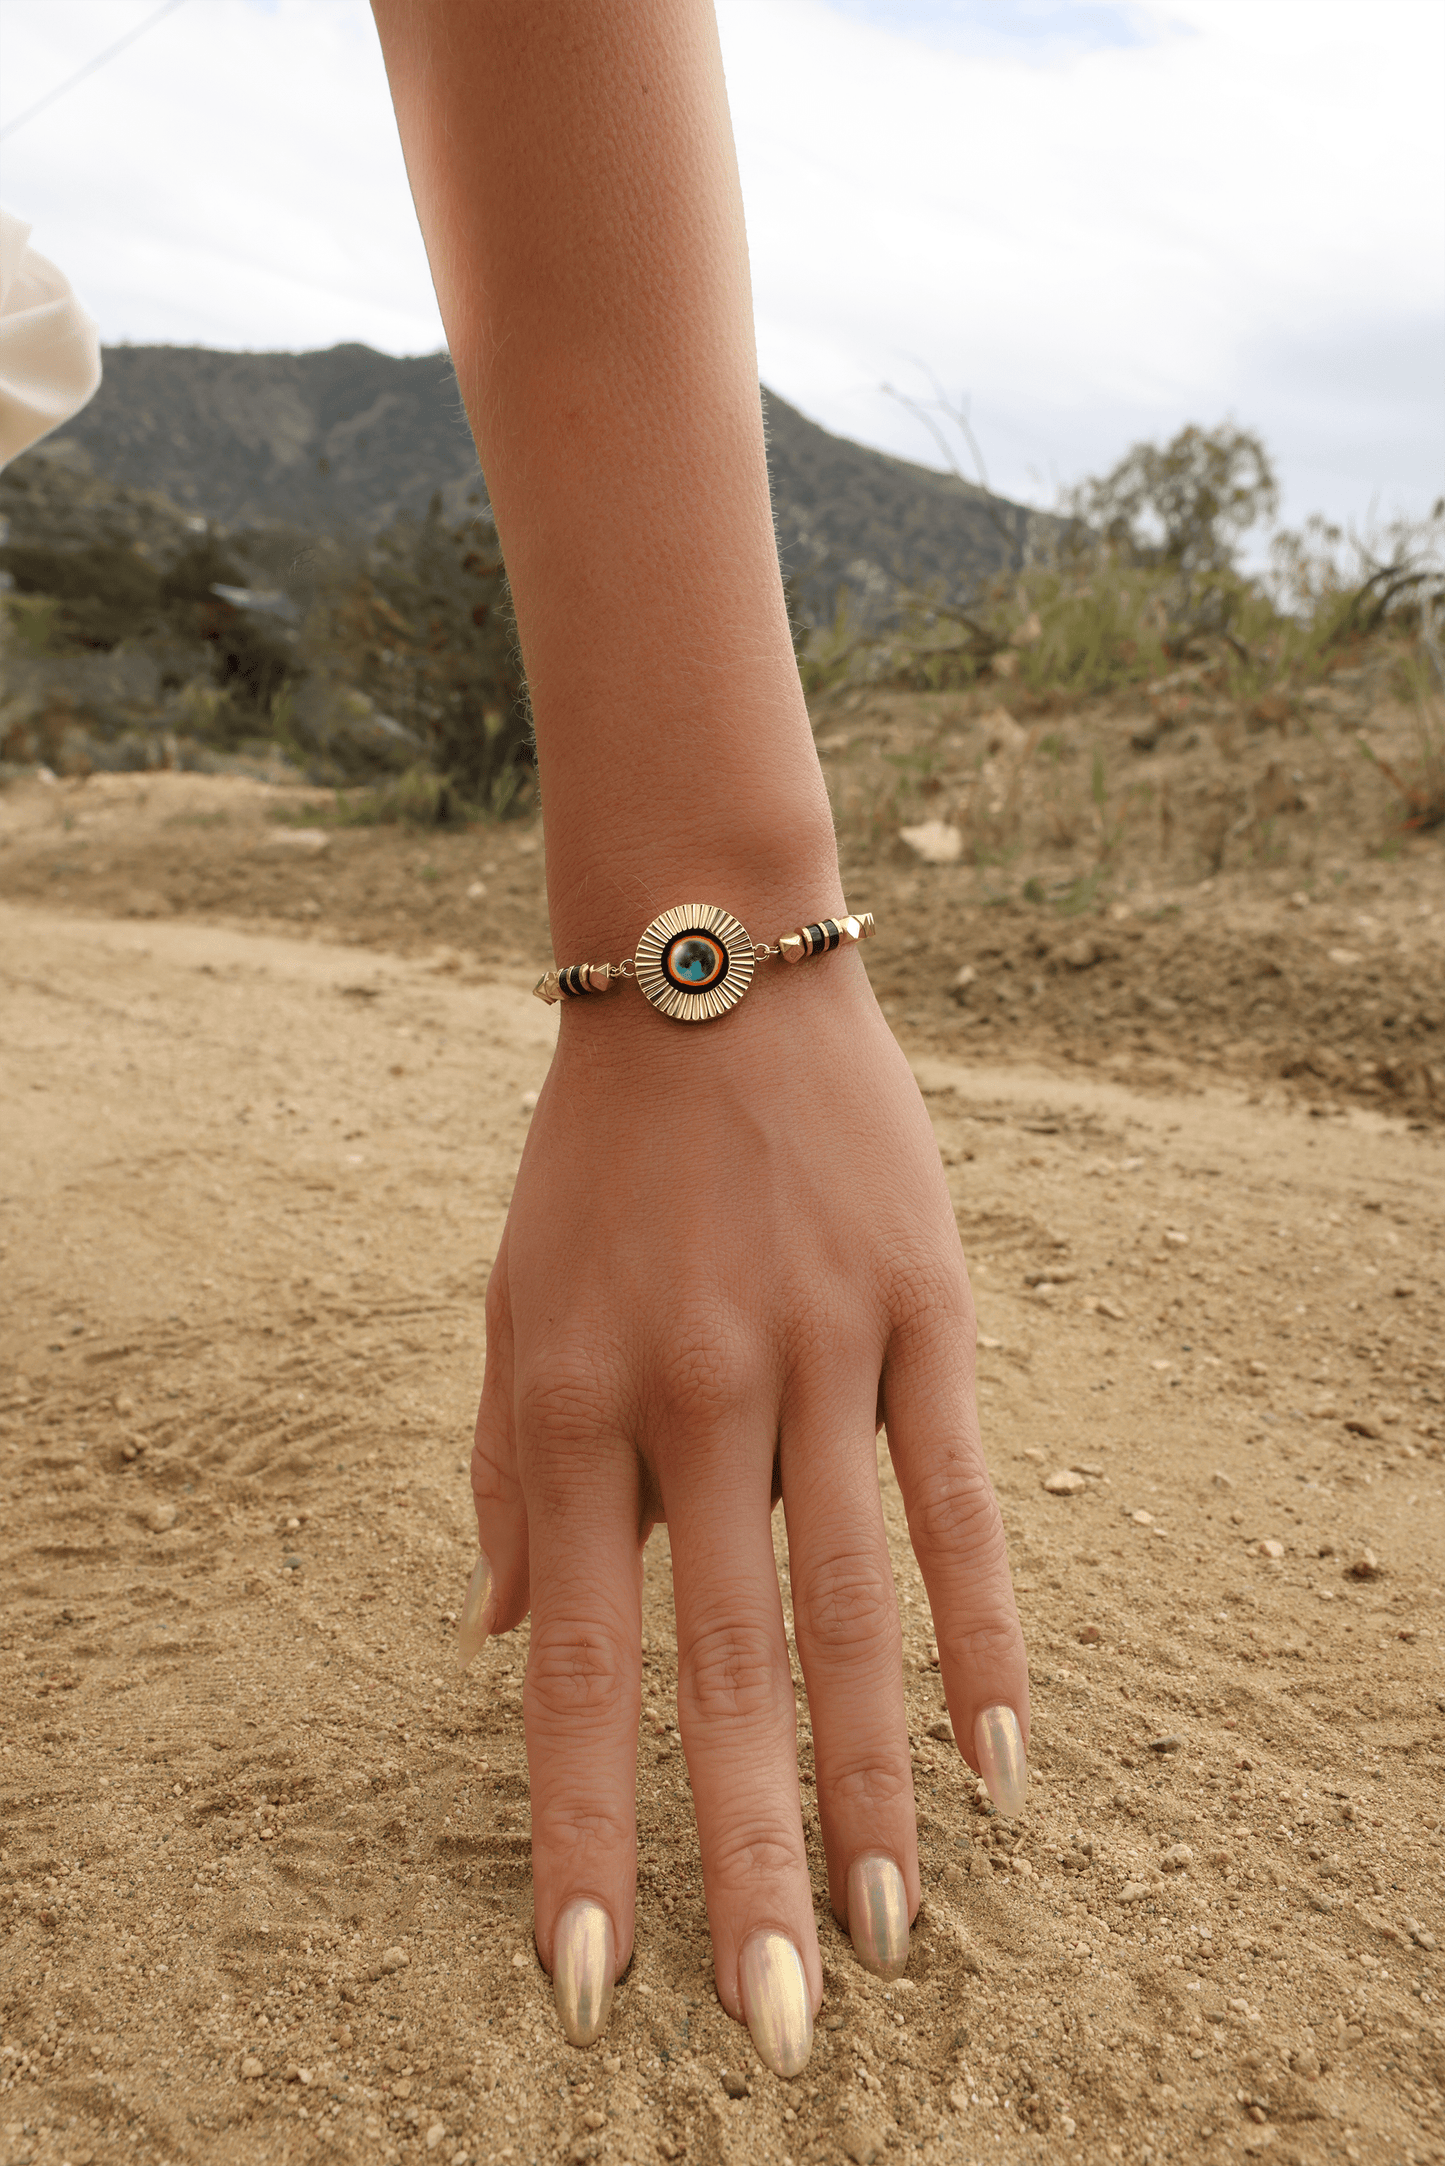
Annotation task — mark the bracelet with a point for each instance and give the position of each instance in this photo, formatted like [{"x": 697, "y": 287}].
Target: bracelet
[{"x": 696, "y": 961}]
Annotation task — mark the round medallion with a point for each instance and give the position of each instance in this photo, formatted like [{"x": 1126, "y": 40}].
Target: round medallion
[{"x": 694, "y": 962}]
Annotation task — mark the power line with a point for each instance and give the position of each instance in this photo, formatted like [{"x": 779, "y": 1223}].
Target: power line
[{"x": 89, "y": 69}]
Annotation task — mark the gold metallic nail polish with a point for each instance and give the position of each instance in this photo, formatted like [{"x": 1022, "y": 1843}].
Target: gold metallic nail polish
[
  {"x": 999, "y": 1743},
  {"x": 584, "y": 1957},
  {"x": 475, "y": 1621},
  {"x": 878, "y": 1915},
  {"x": 776, "y": 2006}
]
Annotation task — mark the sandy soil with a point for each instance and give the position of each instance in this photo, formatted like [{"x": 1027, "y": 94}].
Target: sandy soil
[{"x": 264, "y": 1884}]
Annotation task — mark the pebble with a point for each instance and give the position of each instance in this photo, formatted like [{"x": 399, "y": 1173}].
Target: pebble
[
  {"x": 943, "y": 1731},
  {"x": 1221, "y": 1481},
  {"x": 251, "y": 2068},
  {"x": 1064, "y": 1482},
  {"x": 1142, "y": 1519},
  {"x": 1177, "y": 1858},
  {"x": 734, "y": 2083},
  {"x": 1273, "y": 1550},
  {"x": 519, "y": 1961},
  {"x": 434, "y": 2135},
  {"x": 1133, "y": 1891},
  {"x": 593, "y": 2119},
  {"x": 1365, "y": 1566},
  {"x": 1022, "y": 1866},
  {"x": 935, "y": 842},
  {"x": 1090, "y": 1467},
  {"x": 1090, "y": 1635},
  {"x": 1175, "y": 1238},
  {"x": 161, "y": 1518},
  {"x": 1165, "y": 1744},
  {"x": 1257, "y": 1368},
  {"x": 529, "y": 1101},
  {"x": 1104, "y": 1307},
  {"x": 393, "y": 1959}
]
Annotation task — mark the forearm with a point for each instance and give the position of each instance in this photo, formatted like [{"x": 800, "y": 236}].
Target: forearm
[{"x": 573, "y": 171}]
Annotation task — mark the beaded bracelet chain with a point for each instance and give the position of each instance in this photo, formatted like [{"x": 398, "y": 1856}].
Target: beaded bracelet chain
[{"x": 695, "y": 962}]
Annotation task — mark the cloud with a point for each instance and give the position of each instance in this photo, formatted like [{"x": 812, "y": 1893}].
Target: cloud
[{"x": 1101, "y": 221}]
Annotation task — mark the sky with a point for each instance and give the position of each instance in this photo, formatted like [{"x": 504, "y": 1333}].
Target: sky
[{"x": 1086, "y": 223}]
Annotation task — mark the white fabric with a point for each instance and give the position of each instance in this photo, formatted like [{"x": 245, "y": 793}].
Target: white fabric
[{"x": 49, "y": 348}]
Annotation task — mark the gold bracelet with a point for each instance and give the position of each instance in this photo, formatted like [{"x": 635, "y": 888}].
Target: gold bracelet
[{"x": 696, "y": 962}]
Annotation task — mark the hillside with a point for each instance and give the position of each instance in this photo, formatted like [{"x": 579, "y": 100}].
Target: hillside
[{"x": 349, "y": 438}]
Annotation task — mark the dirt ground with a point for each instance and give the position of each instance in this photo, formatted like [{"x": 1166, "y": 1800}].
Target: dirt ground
[{"x": 264, "y": 1878}]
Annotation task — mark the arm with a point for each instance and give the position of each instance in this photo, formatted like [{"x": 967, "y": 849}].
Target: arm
[{"x": 574, "y": 175}]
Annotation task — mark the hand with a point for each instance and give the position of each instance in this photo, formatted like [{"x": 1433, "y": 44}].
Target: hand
[{"x": 730, "y": 1255}]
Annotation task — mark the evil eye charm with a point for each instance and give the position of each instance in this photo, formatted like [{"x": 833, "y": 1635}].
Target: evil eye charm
[{"x": 694, "y": 962}]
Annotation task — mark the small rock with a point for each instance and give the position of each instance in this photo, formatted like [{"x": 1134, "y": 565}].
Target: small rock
[
  {"x": 1423, "y": 1937},
  {"x": 1022, "y": 1866},
  {"x": 343, "y": 2037},
  {"x": 593, "y": 2119},
  {"x": 161, "y": 1518},
  {"x": 943, "y": 1732},
  {"x": 935, "y": 842},
  {"x": 1165, "y": 1744},
  {"x": 861, "y": 2145},
  {"x": 1257, "y": 1368},
  {"x": 735, "y": 2083},
  {"x": 1104, "y": 1307},
  {"x": 476, "y": 889},
  {"x": 1090, "y": 1635},
  {"x": 958, "y": 2098},
  {"x": 1271, "y": 1549},
  {"x": 1133, "y": 1891},
  {"x": 1175, "y": 1238},
  {"x": 1081, "y": 954},
  {"x": 1177, "y": 1858},
  {"x": 1221, "y": 1481},
  {"x": 434, "y": 2135},
  {"x": 393, "y": 1959},
  {"x": 1064, "y": 1482},
  {"x": 1365, "y": 1566},
  {"x": 1359, "y": 1426},
  {"x": 1032, "y": 1452},
  {"x": 964, "y": 979},
  {"x": 667, "y": 2147},
  {"x": 1089, "y": 1467},
  {"x": 529, "y": 1101},
  {"x": 519, "y": 1961},
  {"x": 251, "y": 2068},
  {"x": 296, "y": 841},
  {"x": 1220, "y": 1855},
  {"x": 1142, "y": 1519},
  {"x": 612, "y": 2062}
]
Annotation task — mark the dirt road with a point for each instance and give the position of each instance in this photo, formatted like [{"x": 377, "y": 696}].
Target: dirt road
[{"x": 264, "y": 1882}]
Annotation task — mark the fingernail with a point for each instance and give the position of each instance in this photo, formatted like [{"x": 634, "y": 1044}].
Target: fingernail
[
  {"x": 775, "y": 2002},
  {"x": 999, "y": 1743},
  {"x": 584, "y": 1956},
  {"x": 878, "y": 1915},
  {"x": 476, "y": 1618}
]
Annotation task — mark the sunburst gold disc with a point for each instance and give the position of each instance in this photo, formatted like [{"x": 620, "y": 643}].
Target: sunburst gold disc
[{"x": 695, "y": 962}]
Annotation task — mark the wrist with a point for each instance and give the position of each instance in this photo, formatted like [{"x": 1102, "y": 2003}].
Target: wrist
[{"x": 605, "y": 889}]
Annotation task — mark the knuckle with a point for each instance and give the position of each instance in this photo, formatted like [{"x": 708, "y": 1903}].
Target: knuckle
[
  {"x": 699, "y": 1376},
  {"x": 578, "y": 1678},
  {"x": 848, "y": 1608},
  {"x": 733, "y": 1673},
  {"x": 867, "y": 1791},
  {"x": 954, "y": 1512},
  {"x": 931, "y": 1295},
  {"x": 741, "y": 1861}
]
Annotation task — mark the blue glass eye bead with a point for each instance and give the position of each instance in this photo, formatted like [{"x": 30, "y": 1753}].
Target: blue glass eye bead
[{"x": 694, "y": 961}]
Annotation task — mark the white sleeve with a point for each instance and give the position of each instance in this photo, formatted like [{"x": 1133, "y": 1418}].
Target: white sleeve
[{"x": 49, "y": 348}]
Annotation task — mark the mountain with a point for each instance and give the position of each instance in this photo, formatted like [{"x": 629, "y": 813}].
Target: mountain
[{"x": 348, "y": 439}]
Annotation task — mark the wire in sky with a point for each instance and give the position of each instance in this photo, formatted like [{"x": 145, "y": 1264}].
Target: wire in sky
[{"x": 89, "y": 69}]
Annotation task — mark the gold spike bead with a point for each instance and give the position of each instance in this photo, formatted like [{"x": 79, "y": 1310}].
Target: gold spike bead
[
  {"x": 867, "y": 925},
  {"x": 547, "y": 988},
  {"x": 791, "y": 948}
]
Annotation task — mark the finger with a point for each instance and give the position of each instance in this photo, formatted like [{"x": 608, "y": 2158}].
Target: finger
[
  {"x": 582, "y": 1697},
  {"x": 845, "y": 1615},
  {"x": 497, "y": 1592},
  {"x": 737, "y": 1718},
  {"x": 957, "y": 1534}
]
